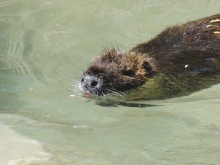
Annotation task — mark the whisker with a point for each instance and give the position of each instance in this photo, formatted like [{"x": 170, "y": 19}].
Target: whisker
[
  {"x": 115, "y": 93},
  {"x": 112, "y": 92},
  {"x": 103, "y": 94}
]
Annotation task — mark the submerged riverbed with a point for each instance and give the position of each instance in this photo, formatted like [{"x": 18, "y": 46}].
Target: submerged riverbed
[{"x": 45, "y": 46}]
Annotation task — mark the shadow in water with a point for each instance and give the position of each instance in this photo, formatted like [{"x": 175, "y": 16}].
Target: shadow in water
[{"x": 112, "y": 103}]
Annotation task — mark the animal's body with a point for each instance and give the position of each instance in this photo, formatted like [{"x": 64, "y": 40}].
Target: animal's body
[{"x": 180, "y": 60}]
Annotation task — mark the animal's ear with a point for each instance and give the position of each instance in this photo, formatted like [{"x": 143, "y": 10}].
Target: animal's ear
[
  {"x": 150, "y": 73},
  {"x": 146, "y": 66}
]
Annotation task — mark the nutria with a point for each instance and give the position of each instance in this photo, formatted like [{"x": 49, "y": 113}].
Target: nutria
[{"x": 180, "y": 60}]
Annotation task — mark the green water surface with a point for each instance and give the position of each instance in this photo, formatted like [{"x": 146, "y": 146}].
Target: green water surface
[{"x": 45, "y": 46}]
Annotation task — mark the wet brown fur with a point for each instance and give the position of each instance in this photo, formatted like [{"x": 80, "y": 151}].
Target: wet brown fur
[{"x": 186, "y": 58}]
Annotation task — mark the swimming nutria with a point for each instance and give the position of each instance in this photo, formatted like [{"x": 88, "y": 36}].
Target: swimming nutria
[{"x": 178, "y": 61}]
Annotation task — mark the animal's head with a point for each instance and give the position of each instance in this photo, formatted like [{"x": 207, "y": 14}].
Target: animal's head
[{"x": 114, "y": 73}]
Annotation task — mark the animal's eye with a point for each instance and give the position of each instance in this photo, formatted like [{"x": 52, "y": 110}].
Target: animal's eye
[
  {"x": 129, "y": 73},
  {"x": 146, "y": 66}
]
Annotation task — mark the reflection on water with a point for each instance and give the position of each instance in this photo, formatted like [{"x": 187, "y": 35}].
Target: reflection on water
[{"x": 45, "y": 45}]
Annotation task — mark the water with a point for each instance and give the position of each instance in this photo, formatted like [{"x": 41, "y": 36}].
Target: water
[{"x": 45, "y": 46}]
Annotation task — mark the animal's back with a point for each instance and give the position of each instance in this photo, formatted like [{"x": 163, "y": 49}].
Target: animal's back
[
  {"x": 187, "y": 56},
  {"x": 200, "y": 35}
]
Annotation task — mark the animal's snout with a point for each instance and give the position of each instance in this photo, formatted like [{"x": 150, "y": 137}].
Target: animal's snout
[{"x": 89, "y": 82}]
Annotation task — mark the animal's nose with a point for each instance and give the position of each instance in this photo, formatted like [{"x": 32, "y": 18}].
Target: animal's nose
[{"x": 89, "y": 81}]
